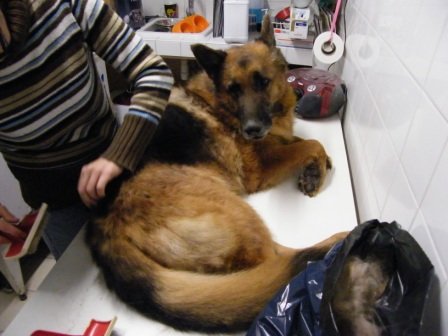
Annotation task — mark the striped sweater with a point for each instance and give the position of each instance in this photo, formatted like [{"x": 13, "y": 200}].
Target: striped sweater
[{"x": 53, "y": 110}]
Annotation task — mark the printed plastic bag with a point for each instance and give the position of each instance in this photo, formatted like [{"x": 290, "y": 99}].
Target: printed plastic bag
[{"x": 306, "y": 306}]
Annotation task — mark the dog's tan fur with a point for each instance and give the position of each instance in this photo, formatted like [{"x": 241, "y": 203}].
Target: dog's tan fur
[
  {"x": 360, "y": 286},
  {"x": 178, "y": 242}
]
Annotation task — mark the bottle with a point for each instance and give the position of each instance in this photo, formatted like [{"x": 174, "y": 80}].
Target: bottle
[{"x": 236, "y": 21}]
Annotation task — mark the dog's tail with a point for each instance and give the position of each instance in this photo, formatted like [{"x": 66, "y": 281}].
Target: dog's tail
[{"x": 201, "y": 301}]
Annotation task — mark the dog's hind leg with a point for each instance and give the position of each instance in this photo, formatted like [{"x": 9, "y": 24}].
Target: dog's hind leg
[{"x": 198, "y": 223}]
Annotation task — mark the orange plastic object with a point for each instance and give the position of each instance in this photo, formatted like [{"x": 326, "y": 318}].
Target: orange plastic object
[
  {"x": 95, "y": 328},
  {"x": 183, "y": 27},
  {"x": 191, "y": 24},
  {"x": 199, "y": 22}
]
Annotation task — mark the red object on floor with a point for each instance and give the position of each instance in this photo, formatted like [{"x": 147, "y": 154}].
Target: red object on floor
[
  {"x": 99, "y": 328},
  {"x": 25, "y": 225},
  {"x": 47, "y": 333},
  {"x": 32, "y": 224},
  {"x": 95, "y": 328}
]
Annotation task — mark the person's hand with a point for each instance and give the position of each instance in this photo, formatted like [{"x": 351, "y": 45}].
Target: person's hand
[
  {"x": 94, "y": 178},
  {"x": 8, "y": 229}
]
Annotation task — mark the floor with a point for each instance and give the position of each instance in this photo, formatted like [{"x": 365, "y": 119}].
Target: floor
[{"x": 34, "y": 270}]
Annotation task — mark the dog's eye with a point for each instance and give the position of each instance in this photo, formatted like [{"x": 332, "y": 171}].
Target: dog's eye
[
  {"x": 234, "y": 89},
  {"x": 260, "y": 82}
]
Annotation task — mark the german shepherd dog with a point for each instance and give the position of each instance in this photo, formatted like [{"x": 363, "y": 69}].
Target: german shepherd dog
[{"x": 178, "y": 242}]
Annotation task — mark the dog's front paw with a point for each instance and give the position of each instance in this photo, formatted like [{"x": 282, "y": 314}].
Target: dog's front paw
[{"x": 313, "y": 175}]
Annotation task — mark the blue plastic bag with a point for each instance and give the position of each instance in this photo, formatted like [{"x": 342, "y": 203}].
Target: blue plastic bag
[{"x": 304, "y": 306}]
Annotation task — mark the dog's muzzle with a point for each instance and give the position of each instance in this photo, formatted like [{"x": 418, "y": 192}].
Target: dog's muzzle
[{"x": 255, "y": 130}]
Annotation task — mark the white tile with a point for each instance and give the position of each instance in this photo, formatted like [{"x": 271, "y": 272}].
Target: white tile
[
  {"x": 354, "y": 96},
  {"x": 399, "y": 115},
  {"x": 381, "y": 14},
  {"x": 364, "y": 49},
  {"x": 373, "y": 135},
  {"x": 421, "y": 234},
  {"x": 397, "y": 102},
  {"x": 400, "y": 204},
  {"x": 366, "y": 121},
  {"x": 370, "y": 9},
  {"x": 424, "y": 145},
  {"x": 370, "y": 53},
  {"x": 391, "y": 21},
  {"x": 434, "y": 207},
  {"x": 362, "y": 46},
  {"x": 383, "y": 69},
  {"x": 408, "y": 36},
  {"x": 384, "y": 169},
  {"x": 395, "y": 94},
  {"x": 360, "y": 107},
  {"x": 355, "y": 21},
  {"x": 437, "y": 80}
]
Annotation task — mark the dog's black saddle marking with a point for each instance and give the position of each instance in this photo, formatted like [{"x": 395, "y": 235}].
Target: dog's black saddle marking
[{"x": 180, "y": 138}]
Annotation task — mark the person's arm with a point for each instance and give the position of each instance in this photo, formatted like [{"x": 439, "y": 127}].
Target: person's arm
[
  {"x": 151, "y": 80},
  {"x": 8, "y": 229},
  {"x": 94, "y": 178}
]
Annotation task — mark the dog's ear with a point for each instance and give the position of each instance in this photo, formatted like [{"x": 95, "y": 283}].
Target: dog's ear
[
  {"x": 267, "y": 32},
  {"x": 209, "y": 59}
]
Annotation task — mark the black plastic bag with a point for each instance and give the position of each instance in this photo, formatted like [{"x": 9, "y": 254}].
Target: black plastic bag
[{"x": 305, "y": 305}]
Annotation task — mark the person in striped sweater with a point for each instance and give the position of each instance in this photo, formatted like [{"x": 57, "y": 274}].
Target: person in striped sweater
[{"x": 58, "y": 134}]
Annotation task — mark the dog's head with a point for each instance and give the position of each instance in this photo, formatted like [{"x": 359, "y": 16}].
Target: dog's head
[{"x": 249, "y": 80}]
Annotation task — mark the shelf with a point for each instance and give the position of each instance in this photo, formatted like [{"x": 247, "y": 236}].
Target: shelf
[{"x": 178, "y": 45}]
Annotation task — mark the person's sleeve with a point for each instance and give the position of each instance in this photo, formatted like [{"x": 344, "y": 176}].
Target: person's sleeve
[{"x": 150, "y": 78}]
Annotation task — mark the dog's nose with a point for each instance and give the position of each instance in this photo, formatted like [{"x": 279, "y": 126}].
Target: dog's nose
[{"x": 254, "y": 131}]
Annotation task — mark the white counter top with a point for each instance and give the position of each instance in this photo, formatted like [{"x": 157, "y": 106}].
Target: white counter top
[
  {"x": 74, "y": 291},
  {"x": 172, "y": 46}
]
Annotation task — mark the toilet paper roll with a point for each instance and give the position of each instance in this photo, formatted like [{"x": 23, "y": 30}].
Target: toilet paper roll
[{"x": 325, "y": 52}]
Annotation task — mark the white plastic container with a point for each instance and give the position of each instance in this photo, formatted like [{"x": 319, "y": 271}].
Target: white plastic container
[{"x": 236, "y": 21}]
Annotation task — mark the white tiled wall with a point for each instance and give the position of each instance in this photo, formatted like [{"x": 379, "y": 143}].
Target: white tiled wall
[{"x": 396, "y": 126}]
